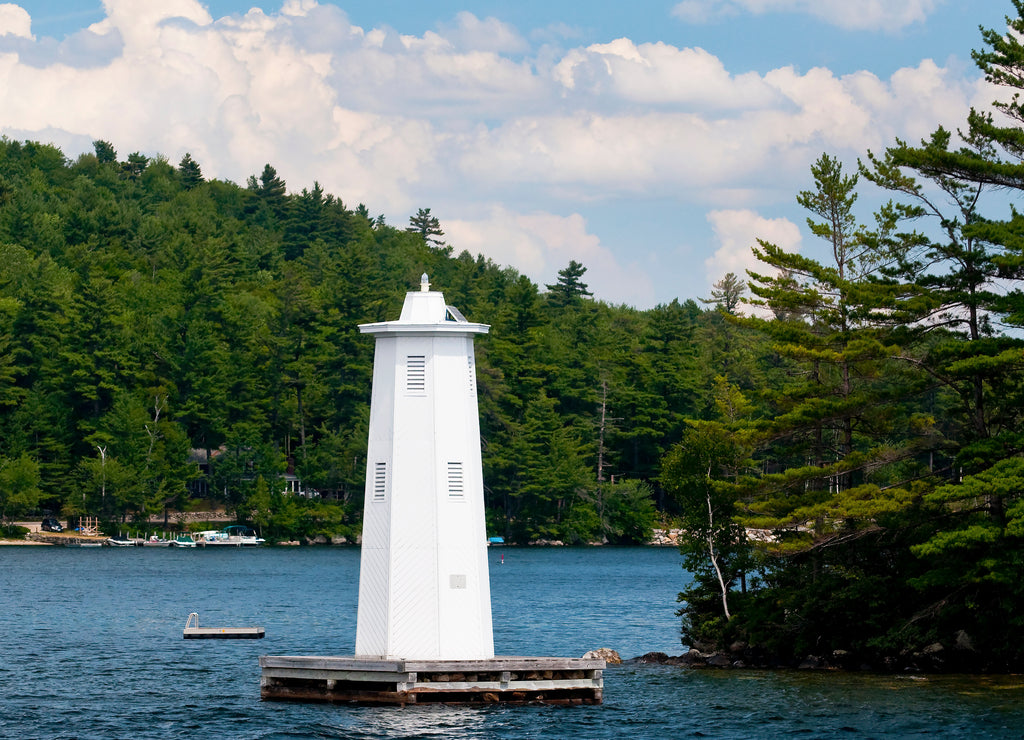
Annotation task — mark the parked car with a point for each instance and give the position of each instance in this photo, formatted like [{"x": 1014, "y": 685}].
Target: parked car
[{"x": 51, "y": 525}]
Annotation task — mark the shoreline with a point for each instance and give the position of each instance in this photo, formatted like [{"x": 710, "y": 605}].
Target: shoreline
[
  {"x": 659, "y": 538},
  {"x": 936, "y": 660},
  {"x": 295, "y": 543},
  {"x": 31, "y": 543}
]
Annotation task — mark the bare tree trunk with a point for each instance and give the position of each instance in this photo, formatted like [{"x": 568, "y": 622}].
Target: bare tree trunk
[
  {"x": 714, "y": 559},
  {"x": 600, "y": 441}
]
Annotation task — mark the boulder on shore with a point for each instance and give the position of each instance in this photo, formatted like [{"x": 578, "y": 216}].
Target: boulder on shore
[
  {"x": 665, "y": 537},
  {"x": 609, "y": 656}
]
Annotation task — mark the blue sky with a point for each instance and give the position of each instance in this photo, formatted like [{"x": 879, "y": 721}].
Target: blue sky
[{"x": 653, "y": 141}]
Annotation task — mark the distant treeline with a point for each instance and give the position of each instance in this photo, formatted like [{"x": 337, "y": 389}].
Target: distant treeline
[{"x": 166, "y": 335}]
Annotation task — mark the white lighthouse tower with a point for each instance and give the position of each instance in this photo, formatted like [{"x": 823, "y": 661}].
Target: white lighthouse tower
[
  {"x": 423, "y": 582},
  {"x": 423, "y": 632}
]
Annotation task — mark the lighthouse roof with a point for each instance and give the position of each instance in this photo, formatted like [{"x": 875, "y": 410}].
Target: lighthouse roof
[{"x": 425, "y": 312}]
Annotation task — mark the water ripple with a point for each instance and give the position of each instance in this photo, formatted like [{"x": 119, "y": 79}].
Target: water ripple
[{"x": 99, "y": 654}]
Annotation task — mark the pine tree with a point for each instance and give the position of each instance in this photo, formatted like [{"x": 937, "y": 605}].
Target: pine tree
[
  {"x": 840, "y": 350},
  {"x": 105, "y": 152},
  {"x": 189, "y": 172},
  {"x": 133, "y": 167},
  {"x": 427, "y": 226},
  {"x": 727, "y": 293},
  {"x": 569, "y": 289}
]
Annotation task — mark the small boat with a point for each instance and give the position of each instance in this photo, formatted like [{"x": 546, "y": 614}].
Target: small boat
[
  {"x": 244, "y": 536},
  {"x": 237, "y": 535},
  {"x": 210, "y": 537},
  {"x": 155, "y": 541},
  {"x": 183, "y": 540},
  {"x": 120, "y": 541}
]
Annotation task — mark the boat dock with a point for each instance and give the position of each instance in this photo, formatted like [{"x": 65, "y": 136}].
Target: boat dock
[
  {"x": 362, "y": 680},
  {"x": 219, "y": 633}
]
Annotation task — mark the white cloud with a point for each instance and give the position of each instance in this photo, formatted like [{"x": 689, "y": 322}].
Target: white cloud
[
  {"x": 875, "y": 15},
  {"x": 629, "y": 150},
  {"x": 737, "y": 232},
  {"x": 382, "y": 116},
  {"x": 460, "y": 116},
  {"x": 15, "y": 21},
  {"x": 140, "y": 23},
  {"x": 470, "y": 33},
  {"x": 658, "y": 73},
  {"x": 539, "y": 244}
]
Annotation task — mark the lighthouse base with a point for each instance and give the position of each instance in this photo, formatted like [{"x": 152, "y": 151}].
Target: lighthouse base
[{"x": 499, "y": 680}]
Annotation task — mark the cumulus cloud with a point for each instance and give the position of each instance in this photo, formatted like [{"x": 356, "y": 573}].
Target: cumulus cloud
[
  {"x": 489, "y": 34},
  {"x": 657, "y": 73},
  {"x": 461, "y": 115},
  {"x": 791, "y": 119},
  {"x": 15, "y": 21},
  {"x": 874, "y": 15},
  {"x": 539, "y": 244},
  {"x": 737, "y": 232}
]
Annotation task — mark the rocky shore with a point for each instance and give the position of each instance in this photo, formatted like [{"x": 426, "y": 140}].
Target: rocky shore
[
  {"x": 665, "y": 537},
  {"x": 658, "y": 538},
  {"x": 958, "y": 656}
]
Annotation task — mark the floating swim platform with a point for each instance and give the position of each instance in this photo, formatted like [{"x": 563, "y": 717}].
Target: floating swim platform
[{"x": 219, "y": 633}]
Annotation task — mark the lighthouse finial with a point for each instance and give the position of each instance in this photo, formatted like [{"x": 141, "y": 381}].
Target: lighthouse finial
[{"x": 424, "y": 283}]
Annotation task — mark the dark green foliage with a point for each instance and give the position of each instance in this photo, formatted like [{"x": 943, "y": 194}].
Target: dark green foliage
[
  {"x": 890, "y": 497},
  {"x": 151, "y": 319},
  {"x": 727, "y": 293},
  {"x": 702, "y": 473},
  {"x": 427, "y": 226},
  {"x": 105, "y": 152},
  {"x": 19, "y": 487},
  {"x": 133, "y": 167},
  {"x": 569, "y": 289},
  {"x": 189, "y": 172}
]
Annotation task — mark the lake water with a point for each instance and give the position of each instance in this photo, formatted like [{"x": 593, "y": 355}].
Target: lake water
[{"x": 91, "y": 648}]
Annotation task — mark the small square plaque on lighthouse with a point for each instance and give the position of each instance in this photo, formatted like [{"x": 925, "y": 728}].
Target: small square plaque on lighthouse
[{"x": 423, "y": 630}]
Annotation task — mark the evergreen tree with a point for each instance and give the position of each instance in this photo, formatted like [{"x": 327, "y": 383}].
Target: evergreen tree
[
  {"x": 970, "y": 556},
  {"x": 271, "y": 198},
  {"x": 427, "y": 226},
  {"x": 19, "y": 486},
  {"x": 727, "y": 293},
  {"x": 841, "y": 448},
  {"x": 105, "y": 152},
  {"x": 189, "y": 172},
  {"x": 569, "y": 289},
  {"x": 133, "y": 167}
]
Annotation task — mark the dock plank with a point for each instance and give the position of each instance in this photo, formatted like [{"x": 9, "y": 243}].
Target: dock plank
[
  {"x": 504, "y": 679},
  {"x": 223, "y": 633}
]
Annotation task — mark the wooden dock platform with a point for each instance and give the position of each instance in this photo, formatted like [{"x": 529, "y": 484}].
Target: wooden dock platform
[
  {"x": 193, "y": 631},
  {"x": 360, "y": 680},
  {"x": 223, "y": 633}
]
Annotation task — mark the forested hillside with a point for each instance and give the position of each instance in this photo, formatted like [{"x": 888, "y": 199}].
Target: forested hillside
[{"x": 154, "y": 320}]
